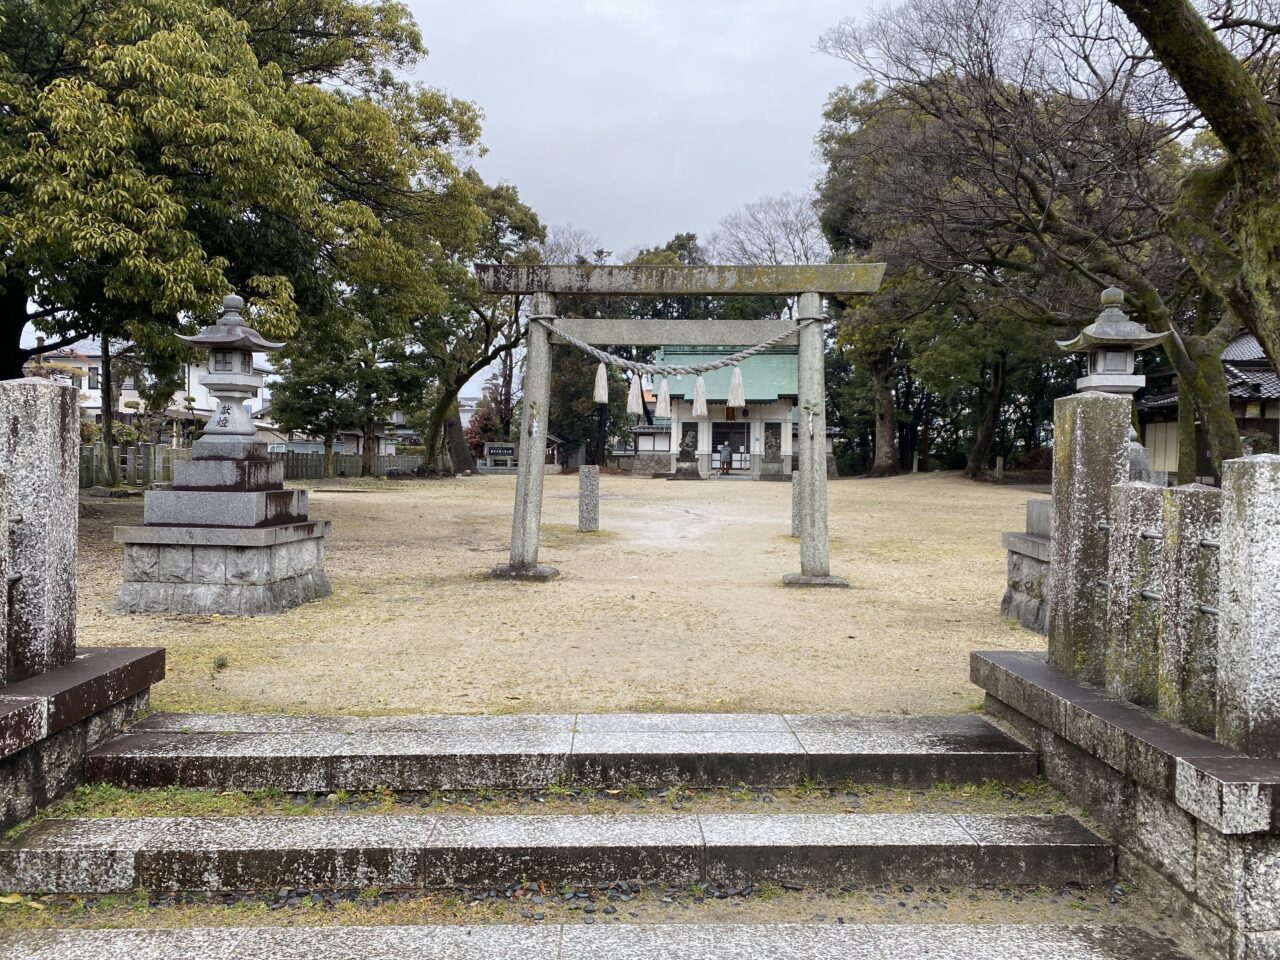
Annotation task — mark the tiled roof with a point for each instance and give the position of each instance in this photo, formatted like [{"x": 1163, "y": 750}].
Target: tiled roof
[
  {"x": 1244, "y": 347},
  {"x": 1252, "y": 384}
]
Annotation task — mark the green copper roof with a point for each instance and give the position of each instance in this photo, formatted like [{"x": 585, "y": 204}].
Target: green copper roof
[{"x": 766, "y": 377}]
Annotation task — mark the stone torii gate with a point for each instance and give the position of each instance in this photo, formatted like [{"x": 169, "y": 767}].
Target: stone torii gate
[{"x": 808, "y": 283}]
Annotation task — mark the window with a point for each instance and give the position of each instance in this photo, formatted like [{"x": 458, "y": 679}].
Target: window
[
  {"x": 662, "y": 442},
  {"x": 93, "y": 378},
  {"x": 246, "y": 363},
  {"x": 222, "y": 361}
]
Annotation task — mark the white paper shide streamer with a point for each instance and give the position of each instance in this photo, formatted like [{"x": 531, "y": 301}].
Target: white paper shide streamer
[
  {"x": 663, "y": 409},
  {"x": 602, "y": 384},
  {"x": 737, "y": 393},
  {"x": 635, "y": 401},
  {"x": 700, "y": 397}
]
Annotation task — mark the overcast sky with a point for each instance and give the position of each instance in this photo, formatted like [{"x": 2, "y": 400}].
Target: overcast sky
[{"x": 638, "y": 119}]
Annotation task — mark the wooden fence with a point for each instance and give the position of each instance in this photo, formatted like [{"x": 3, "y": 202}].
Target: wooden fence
[
  {"x": 310, "y": 466},
  {"x": 145, "y": 464},
  {"x": 138, "y": 465}
]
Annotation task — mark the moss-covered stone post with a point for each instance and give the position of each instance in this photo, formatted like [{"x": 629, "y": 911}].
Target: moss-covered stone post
[
  {"x": 1249, "y": 621},
  {"x": 1187, "y": 691},
  {"x": 1090, "y": 456},
  {"x": 1136, "y": 579}
]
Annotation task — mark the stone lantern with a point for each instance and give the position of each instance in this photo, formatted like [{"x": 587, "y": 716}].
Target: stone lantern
[
  {"x": 1111, "y": 344},
  {"x": 231, "y": 379},
  {"x": 228, "y": 538}
]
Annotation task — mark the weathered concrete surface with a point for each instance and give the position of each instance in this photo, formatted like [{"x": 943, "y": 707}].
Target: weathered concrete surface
[
  {"x": 40, "y": 467},
  {"x": 795, "y": 503},
  {"x": 588, "y": 499},
  {"x": 406, "y": 852},
  {"x": 527, "y": 515},
  {"x": 1136, "y": 563},
  {"x": 303, "y": 754},
  {"x": 1249, "y": 625},
  {"x": 1026, "y": 598},
  {"x": 581, "y": 942},
  {"x": 642, "y": 332},
  {"x": 223, "y": 536},
  {"x": 1090, "y": 456},
  {"x": 1189, "y": 635},
  {"x": 670, "y": 281}
]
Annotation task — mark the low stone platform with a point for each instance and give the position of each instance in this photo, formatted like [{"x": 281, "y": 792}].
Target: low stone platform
[
  {"x": 49, "y": 722},
  {"x": 621, "y": 942},
  {"x": 1195, "y": 822},
  {"x": 422, "y": 852},
  {"x": 323, "y": 754}
]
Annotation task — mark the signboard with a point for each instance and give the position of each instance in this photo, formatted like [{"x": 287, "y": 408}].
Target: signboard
[{"x": 499, "y": 450}]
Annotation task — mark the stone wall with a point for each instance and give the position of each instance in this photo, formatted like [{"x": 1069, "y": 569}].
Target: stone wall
[
  {"x": 1193, "y": 821},
  {"x": 1026, "y": 597},
  {"x": 648, "y": 462}
]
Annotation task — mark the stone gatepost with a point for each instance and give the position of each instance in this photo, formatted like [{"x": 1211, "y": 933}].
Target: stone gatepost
[
  {"x": 1090, "y": 456},
  {"x": 1249, "y": 621},
  {"x": 1136, "y": 575},
  {"x": 588, "y": 499},
  {"x": 39, "y": 464},
  {"x": 1188, "y": 628}
]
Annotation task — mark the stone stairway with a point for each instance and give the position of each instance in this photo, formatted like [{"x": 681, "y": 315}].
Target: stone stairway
[{"x": 422, "y": 850}]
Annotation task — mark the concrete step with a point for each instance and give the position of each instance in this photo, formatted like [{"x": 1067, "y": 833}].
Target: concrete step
[
  {"x": 110, "y": 855},
  {"x": 324, "y": 754},
  {"x": 617, "y": 941}
]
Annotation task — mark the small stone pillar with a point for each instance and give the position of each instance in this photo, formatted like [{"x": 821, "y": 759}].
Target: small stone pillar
[
  {"x": 39, "y": 465},
  {"x": 588, "y": 498},
  {"x": 1135, "y": 573},
  {"x": 1189, "y": 630},
  {"x": 1090, "y": 456},
  {"x": 228, "y": 538},
  {"x": 1249, "y": 624}
]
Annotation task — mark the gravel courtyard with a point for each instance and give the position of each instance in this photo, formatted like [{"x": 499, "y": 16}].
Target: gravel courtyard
[{"x": 676, "y": 605}]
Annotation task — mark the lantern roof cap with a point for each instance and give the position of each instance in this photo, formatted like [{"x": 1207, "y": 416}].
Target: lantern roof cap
[
  {"x": 1113, "y": 328},
  {"x": 231, "y": 332}
]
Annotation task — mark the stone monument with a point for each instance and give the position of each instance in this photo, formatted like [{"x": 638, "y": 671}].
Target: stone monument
[
  {"x": 228, "y": 538},
  {"x": 687, "y": 459}
]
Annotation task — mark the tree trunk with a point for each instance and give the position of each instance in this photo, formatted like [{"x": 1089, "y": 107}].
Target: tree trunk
[
  {"x": 13, "y": 321},
  {"x": 1186, "y": 433},
  {"x": 885, "y": 461},
  {"x": 108, "y": 406},
  {"x": 990, "y": 400},
  {"x": 506, "y": 392},
  {"x": 368, "y": 449},
  {"x": 456, "y": 441},
  {"x": 328, "y": 455}
]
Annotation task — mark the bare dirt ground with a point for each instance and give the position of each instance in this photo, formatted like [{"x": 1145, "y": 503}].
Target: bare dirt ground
[{"x": 677, "y": 605}]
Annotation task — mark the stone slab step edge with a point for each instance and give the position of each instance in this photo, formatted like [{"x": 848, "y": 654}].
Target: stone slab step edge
[
  {"x": 417, "y": 852},
  {"x": 618, "y": 941},
  {"x": 323, "y": 754}
]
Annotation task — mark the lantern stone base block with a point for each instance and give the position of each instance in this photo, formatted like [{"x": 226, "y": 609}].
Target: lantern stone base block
[
  {"x": 228, "y": 447},
  {"x": 801, "y": 580},
  {"x": 232, "y": 572}
]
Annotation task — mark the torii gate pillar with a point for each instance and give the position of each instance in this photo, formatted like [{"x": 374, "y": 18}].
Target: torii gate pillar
[
  {"x": 533, "y": 452},
  {"x": 815, "y": 562}
]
